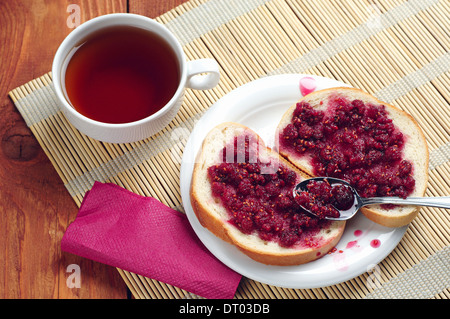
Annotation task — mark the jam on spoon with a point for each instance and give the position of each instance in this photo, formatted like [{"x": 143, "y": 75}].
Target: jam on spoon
[{"x": 335, "y": 199}]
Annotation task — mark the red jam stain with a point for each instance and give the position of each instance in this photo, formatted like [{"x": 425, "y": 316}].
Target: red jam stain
[
  {"x": 354, "y": 141},
  {"x": 258, "y": 202},
  {"x": 352, "y": 244},
  {"x": 307, "y": 85},
  {"x": 357, "y": 233},
  {"x": 333, "y": 250},
  {"x": 375, "y": 243}
]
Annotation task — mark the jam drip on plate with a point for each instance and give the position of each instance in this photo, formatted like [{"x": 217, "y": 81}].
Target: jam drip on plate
[
  {"x": 257, "y": 194},
  {"x": 354, "y": 141}
]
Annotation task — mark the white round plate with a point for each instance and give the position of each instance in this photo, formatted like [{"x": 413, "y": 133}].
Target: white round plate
[{"x": 260, "y": 105}]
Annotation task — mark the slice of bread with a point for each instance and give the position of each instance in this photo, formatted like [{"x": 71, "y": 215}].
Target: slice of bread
[
  {"x": 415, "y": 149},
  {"x": 214, "y": 216}
]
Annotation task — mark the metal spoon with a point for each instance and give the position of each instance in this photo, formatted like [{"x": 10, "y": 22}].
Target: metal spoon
[{"x": 442, "y": 202}]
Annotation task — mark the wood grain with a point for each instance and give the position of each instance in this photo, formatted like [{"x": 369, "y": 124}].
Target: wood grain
[{"x": 35, "y": 207}]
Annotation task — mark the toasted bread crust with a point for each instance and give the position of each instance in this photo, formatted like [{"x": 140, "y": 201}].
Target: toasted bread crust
[
  {"x": 210, "y": 222},
  {"x": 377, "y": 216}
]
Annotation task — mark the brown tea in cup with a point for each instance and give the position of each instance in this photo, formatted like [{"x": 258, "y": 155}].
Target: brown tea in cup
[{"x": 121, "y": 74}]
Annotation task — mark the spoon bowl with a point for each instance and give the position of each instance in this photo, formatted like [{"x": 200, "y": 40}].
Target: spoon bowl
[{"x": 358, "y": 201}]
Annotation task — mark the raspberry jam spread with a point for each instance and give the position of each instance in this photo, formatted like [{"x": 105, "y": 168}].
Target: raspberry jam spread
[
  {"x": 262, "y": 203},
  {"x": 324, "y": 199},
  {"x": 354, "y": 141}
]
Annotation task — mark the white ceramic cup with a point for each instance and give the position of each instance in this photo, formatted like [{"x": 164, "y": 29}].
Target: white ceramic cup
[{"x": 199, "y": 74}]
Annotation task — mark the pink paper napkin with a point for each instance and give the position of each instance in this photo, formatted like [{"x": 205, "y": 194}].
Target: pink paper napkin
[{"x": 140, "y": 234}]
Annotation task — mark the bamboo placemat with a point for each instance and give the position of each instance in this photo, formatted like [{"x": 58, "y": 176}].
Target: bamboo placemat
[{"x": 397, "y": 50}]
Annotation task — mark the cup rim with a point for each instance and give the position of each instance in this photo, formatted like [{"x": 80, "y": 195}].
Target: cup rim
[{"x": 67, "y": 42}]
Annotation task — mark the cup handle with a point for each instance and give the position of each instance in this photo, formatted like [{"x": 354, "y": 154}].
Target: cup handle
[{"x": 198, "y": 81}]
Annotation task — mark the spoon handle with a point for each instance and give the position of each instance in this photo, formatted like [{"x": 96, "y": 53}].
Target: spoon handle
[{"x": 442, "y": 202}]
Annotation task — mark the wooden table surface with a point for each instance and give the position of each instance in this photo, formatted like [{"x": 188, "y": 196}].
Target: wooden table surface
[{"x": 35, "y": 207}]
